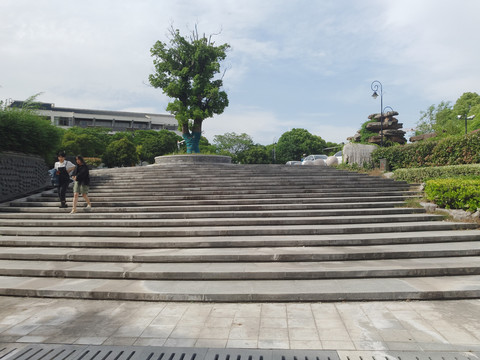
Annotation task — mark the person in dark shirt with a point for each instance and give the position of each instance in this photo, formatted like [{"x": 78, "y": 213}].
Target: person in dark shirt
[{"x": 81, "y": 176}]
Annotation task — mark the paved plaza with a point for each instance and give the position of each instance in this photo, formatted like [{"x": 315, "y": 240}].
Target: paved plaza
[{"x": 440, "y": 326}]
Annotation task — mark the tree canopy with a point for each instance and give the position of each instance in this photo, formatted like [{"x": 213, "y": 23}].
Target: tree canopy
[
  {"x": 445, "y": 119},
  {"x": 120, "y": 152},
  {"x": 233, "y": 143},
  {"x": 186, "y": 70},
  {"x": 296, "y": 142}
]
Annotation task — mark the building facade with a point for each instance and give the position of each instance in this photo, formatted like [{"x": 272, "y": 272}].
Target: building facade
[{"x": 114, "y": 120}]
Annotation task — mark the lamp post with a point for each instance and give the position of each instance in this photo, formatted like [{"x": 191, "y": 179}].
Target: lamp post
[
  {"x": 377, "y": 86},
  {"x": 471, "y": 117}
]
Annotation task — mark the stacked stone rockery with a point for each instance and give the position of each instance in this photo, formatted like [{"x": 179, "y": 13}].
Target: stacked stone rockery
[{"x": 392, "y": 129}]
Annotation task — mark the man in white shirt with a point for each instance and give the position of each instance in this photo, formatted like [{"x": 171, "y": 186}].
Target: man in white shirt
[{"x": 63, "y": 168}]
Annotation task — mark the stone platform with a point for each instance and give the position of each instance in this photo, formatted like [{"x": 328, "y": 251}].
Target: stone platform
[{"x": 193, "y": 159}]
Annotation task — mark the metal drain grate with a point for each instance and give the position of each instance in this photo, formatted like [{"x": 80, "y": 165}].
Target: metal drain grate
[
  {"x": 90, "y": 352},
  {"x": 407, "y": 355},
  {"x": 8, "y": 350},
  {"x": 72, "y": 352}
]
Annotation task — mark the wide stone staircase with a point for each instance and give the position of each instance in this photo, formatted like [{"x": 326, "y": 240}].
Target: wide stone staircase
[{"x": 234, "y": 233}]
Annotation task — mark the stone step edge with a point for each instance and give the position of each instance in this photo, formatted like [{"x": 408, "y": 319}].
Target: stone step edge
[
  {"x": 73, "y": 221},
  {"x": 240, "y": 231},
  {"x": 387, "y": 289},
  {"x": 180, "y": 208},
  {"x": 221, "y": 213},
  {"x": 172, "y": 200},
  {"x": 249, "y": 255},
  {"x": 265, "y": 241},
  {"x": 234, "y": 271}
]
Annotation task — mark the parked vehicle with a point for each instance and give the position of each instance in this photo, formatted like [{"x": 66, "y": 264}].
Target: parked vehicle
[
  {"x": 339, "y": 156},
  {"x": 293, "y": 163},
  {"x": 311, "y": 158}
]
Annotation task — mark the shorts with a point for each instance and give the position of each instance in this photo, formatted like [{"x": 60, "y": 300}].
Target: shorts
[{"x": 80, "y": 189}]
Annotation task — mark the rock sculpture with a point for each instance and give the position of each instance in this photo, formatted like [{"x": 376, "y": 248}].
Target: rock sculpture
[{"x": 392, "y": 129}]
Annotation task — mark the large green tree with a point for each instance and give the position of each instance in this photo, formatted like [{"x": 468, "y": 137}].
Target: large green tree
[
  {"x": 296, "y": 142},
  {"x": 187, "y": 70}
]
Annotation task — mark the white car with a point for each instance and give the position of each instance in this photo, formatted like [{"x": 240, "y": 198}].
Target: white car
[
  {"x": 293, "y": 163},
  {"x": 308, "y": 160},
  {"x": 339, "y": 156}
]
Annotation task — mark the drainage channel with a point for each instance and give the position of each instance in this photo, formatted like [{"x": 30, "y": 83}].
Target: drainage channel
[{"x": 90, "y": 352}]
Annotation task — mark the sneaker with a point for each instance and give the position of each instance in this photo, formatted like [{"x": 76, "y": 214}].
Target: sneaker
[
  {"x": 73, "y": 211},
  {"x": 63, "y": 206},
  {"x": 88, "y": 207}
]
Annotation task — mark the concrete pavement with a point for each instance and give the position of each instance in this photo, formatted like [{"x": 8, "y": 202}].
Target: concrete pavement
[{"x": 354, "y": 327}]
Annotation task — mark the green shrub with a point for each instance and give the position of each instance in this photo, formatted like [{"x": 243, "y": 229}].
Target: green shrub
[
  {"x": 452, "y": 150},
  {"x": 454, "y": 193},
  {"x": 419, "y": 175},
  {"x": 92, "y": 161}
]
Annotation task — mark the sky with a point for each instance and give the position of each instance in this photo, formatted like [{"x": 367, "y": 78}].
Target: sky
[{"x": 292, "y": 63}]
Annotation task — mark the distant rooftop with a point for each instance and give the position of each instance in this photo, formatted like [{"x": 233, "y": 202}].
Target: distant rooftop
[{"x": 52, "y": 107}]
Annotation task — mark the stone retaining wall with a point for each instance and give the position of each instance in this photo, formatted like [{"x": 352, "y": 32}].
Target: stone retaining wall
[{"x": 21, "y": 174}]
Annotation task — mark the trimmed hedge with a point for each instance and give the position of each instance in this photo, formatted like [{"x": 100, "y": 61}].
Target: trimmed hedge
[
  {"x": 420, "y": 175},
  {"x": 24, "y": 132},
  {"x": 92, "y": 161},
  {"x": 453, "y": 150},
  {"x": 454, "y": 193}
]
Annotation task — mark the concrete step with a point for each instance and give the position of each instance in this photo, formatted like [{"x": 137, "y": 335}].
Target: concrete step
[
  {"x": 234, "y": 230},
  {"x": 364, "y": 289},
  {"x": 236, "y": 201},
  {"x": 248, "y": 183},
  {"x": 245, "y": 271},
  {"x": 416, "y": 237},
  {"x": 219, "y": 197},
  {"x": 178, "y": 207},
  {"x": 245, "y": 255},
  {"x": 220, "y": 213},
  {"x": 162, "y": 191},
  {"x": 212, "y": 222}
]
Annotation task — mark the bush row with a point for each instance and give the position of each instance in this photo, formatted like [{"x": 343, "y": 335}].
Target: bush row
[
  {"x": 454, "y": 193},
  {"x": 420, "y": 175},
  {"x": 453, "y": 150},
  {"x": 24, "y": 132}
]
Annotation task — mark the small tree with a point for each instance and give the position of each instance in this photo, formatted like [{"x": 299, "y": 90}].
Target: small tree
[
  {"x": 185, "y": 70},
  {"x": 233, "y": 143},
  {"x": 257, "y": 154}
]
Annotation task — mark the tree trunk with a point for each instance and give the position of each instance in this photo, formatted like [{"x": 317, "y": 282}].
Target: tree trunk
[{"x": 192, "y": 139}]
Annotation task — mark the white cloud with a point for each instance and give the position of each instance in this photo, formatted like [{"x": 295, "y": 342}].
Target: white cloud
[{"x": 262, "y": 125}]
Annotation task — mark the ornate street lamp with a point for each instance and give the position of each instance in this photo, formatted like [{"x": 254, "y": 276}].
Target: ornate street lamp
[{"x": 377, "y": 86}]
